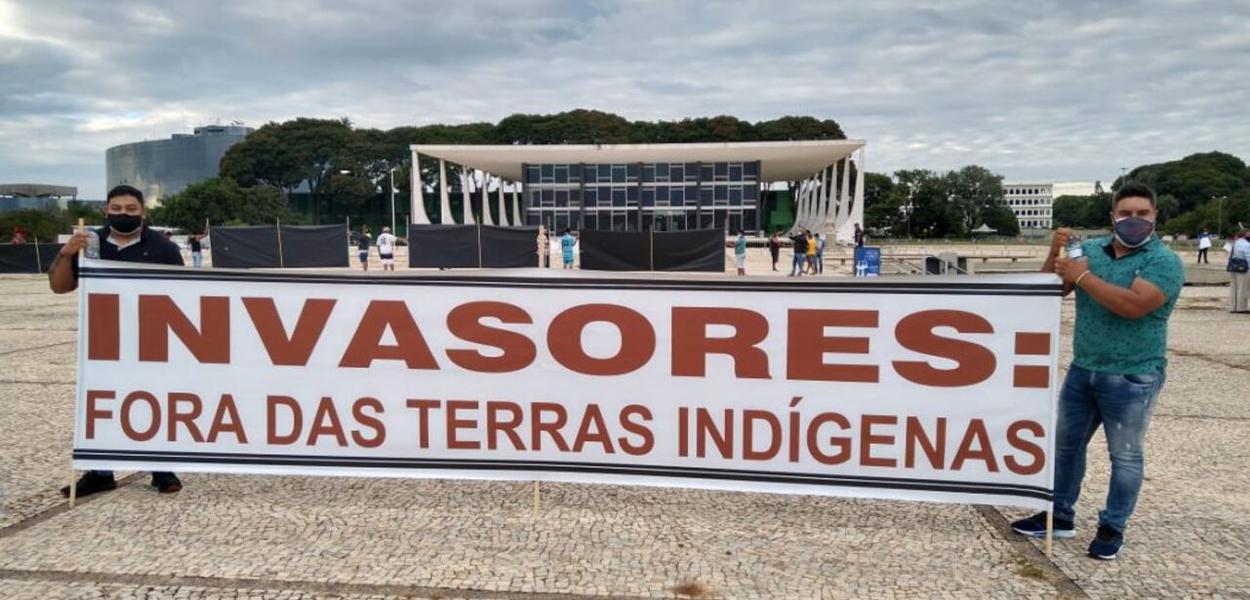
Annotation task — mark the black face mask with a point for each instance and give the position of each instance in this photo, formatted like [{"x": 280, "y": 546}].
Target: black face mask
[{"x": 124, "y": 224}]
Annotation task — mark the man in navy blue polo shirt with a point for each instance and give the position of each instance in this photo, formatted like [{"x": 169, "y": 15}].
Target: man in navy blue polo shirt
[
  {"x": 1126, "y": 286},
  {"x": 126, "y": 238}
]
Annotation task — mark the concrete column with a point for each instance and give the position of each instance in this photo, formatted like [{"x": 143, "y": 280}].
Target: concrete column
[
  {"x": 417, "y": 195},
  {"x": 518, "y": 217},
  {"x": 486, "y": 218},
  {"x": 444, "y": 201},
  {"x": 503, "y": 214},
  {"x": 468, "y": 199}
]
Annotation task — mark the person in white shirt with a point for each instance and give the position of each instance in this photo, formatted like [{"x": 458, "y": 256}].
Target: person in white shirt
[
  {"x": 1204, "y": 245},
  {"x": 386, "y": 249},
  {"x": 1239, "y": 290}
]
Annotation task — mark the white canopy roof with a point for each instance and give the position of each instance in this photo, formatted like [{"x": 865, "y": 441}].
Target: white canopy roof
[{"x": 779, "y": 161}]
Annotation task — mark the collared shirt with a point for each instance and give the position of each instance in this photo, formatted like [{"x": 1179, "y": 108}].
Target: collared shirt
[
  {"x": 150, "y": 246},
  {"x": 1241, "y": 249},
  {"x": 1108, "y": 343}
]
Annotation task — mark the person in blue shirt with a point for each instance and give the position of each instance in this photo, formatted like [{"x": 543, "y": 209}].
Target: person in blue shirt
[
  {"x": 567, "y": 242},
  {"x": 1126, "y": 287},
  {"x": 740, "y": 252}
]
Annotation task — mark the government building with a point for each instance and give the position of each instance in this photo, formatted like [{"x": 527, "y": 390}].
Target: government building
[
  {"x": 1033, "y": 203},
  {"x": 637, "y": 187},
  {"x": 161, "y": 168}
]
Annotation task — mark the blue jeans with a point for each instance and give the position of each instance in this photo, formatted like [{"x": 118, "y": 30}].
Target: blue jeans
[
  {"x": 797, "y": 269},
  {"x": 197, "y": 259},
  {"x": 1122, "y": 404}
]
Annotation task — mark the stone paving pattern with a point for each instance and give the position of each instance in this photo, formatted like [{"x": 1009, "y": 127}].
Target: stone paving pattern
[{"x": 227, "y": 536}]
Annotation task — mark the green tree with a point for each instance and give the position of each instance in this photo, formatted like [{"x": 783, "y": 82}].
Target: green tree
[
  {"x": 1001, "y": 218},
  {"x": 922, "y": 195},
  {"x": 1196, "y": 178},
  {"x": 882, "y": 210},
  {"x": 290, "y": 154},
  {"x": 1167, "y": 206},
  {"x": 1096, "y": 212},
  {"x": 43, "y": 225},
  {"x": 971, "y": 191},
  {"x": 1066, "y": 210},
  {"x": 221, "y": 201}
]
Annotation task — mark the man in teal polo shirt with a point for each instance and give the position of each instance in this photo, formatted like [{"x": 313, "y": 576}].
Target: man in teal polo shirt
[{"x": 1126, "y": 286}]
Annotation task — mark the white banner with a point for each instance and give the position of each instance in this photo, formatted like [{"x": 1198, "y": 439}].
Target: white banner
[{"x": 937, "y": 389}]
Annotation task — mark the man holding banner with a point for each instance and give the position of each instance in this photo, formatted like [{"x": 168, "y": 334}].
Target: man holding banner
[
  {"x": 128, "y": 239},
  {"x": 1126, "y": 286}
]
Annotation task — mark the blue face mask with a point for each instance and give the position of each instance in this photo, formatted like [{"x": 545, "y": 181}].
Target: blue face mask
[{"x": 1133, "y": 232}]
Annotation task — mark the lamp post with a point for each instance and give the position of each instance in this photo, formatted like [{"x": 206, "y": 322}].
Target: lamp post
[{"x": 1219, "y": 211}]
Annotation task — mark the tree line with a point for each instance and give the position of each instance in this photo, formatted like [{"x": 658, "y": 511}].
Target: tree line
[
  {"x": 327, "y": 170},
  {"x": 1207, "y": 191},
  {"x": 927, "y": 204}
]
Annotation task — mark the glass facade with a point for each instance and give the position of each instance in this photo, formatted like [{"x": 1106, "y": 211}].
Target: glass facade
[
  {"x": 161, "y": 168},
  {"x": 641, "y": 196}
]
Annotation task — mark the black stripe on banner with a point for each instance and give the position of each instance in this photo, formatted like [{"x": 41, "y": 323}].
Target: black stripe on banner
[
  {"x": 833, "y": 287},
  {"x": 933, "y": 485}
]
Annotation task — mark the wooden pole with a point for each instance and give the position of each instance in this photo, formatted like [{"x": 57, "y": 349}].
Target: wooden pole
[
  {"x": 537, "y": 499},
  {"x": 73, "y": 473},
  {"x": 278, "y": 225},
  {"x": 1050, "y": 533}
]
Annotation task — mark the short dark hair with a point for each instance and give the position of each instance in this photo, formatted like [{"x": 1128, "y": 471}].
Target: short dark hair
[
  {"x": 124, "y": 190},
  {"x": 1133, "y": 190}
]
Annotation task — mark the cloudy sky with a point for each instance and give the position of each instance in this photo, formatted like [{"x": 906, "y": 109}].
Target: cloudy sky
[{"x": 1070, "y": 90}]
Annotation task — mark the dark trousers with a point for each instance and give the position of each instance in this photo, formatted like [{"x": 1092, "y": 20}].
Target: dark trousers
[{"x": 1202, "y": 255}]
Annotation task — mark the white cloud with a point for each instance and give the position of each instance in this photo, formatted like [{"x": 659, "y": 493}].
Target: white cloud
[{"x": 1058, "y": 90}]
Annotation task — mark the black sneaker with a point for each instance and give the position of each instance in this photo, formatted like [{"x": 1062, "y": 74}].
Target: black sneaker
[
  {"x": 166, "y": 483},
  {"x": 1106, "y": 545},
  {"x": 1035, "y": 526},
  {"x": 90, "y": 483}
]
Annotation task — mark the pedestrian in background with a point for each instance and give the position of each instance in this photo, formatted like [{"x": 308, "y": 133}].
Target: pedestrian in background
[
  {"x": 774, "y": 248},
  {"x": 197, "y": 250},
  {"x": 811, "y": 253},
  {"x": 1204, "y": 244},
  {"x": 859, "y": 236},
  {"x": 567, "y": 242},
  {"x": 1239, "y": 272},
  {"x": 799, "y": 242},
  {"x": 386, "y": 249},
  {"x": 362, "y": 247},
  {"x": 740, "y": 252},
  {"x": 820, "y": 253}
]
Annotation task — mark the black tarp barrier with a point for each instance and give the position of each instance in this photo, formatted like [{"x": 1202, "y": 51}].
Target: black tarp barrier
[
  {"x": 509, "y": 247},
  {"x": 250, "y": 247},
  {"x": 267, "y": 246},
  {"x": 692, "y": 250},
  {"x": 603, "y": 250},
  {"x": 443, "y": 246},
  {"x": 22, "y": 258},
  {"x": 306, "y": 246}
]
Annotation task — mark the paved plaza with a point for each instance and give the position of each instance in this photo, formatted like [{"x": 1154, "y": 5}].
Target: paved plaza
[{"x": 228, "y": 536}]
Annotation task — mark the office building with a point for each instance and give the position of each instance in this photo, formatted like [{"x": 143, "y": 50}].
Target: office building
[
  {"x": 161, "y": 168},
  {"x": 1033, "y": 203}
]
